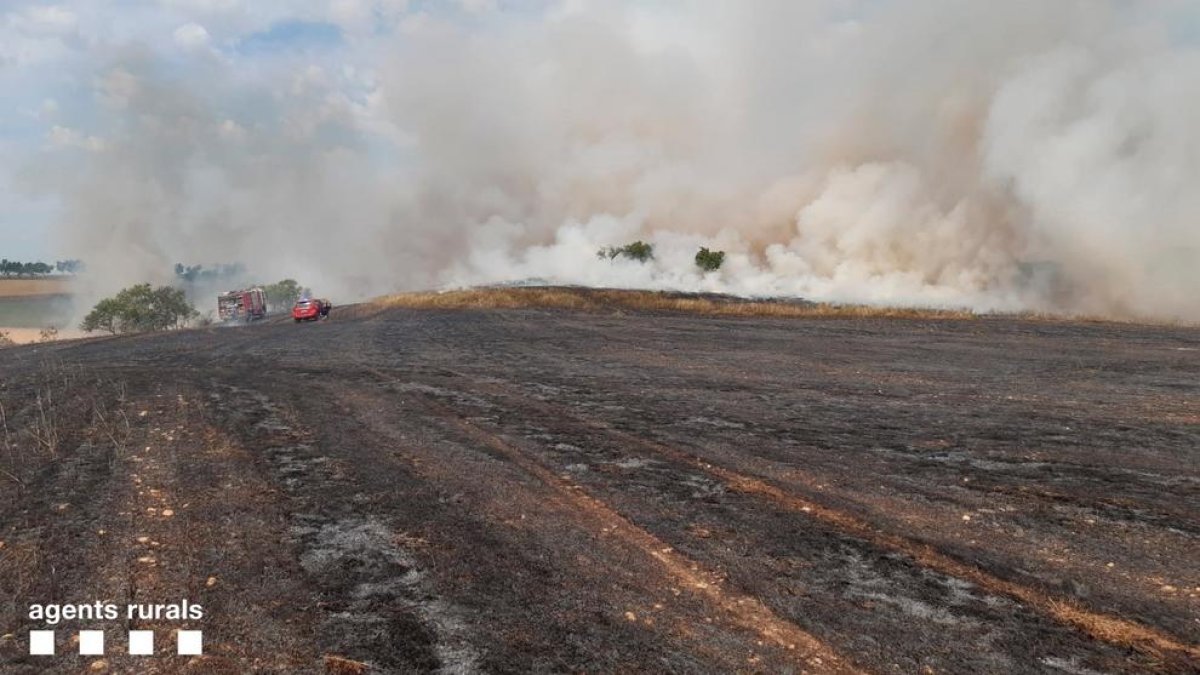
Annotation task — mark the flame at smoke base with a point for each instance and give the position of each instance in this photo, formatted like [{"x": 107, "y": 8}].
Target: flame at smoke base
[{"x": 1020, "y": 155}]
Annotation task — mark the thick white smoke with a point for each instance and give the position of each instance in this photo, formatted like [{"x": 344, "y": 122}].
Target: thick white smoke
[{"x": 1024, "y": 154}]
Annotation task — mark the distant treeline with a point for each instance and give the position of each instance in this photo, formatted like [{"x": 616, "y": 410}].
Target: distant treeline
[
  {"x": 12, "y": 268},
  {"x": 199, "y": 273}
]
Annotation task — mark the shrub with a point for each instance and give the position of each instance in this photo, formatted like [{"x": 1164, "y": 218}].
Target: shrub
[
  {"x": 638, "y": 250},
  {"x": 140, "y": 308},
  {"x": 710, "y": 261}
]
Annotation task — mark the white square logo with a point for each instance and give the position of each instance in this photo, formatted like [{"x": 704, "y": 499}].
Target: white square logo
[
  {"x": 190, "y": 642},
  {"x": 141, "y": 642},
  {"x": 41, "y": 642},
  {"x": 91, "y": 642}
]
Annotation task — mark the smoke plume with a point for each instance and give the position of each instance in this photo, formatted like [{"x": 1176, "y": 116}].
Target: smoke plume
[{"x": 1016, "y": 155}]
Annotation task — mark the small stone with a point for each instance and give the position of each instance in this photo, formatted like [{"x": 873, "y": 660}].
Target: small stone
[
  {"x": 630, "y": 616},
  {"x": 212, "y": 581},
  {"x": 98, "y": 666},
  {"x": 167, "y": 513},
  {"x": 1110, "y": 565},
  {"x": 1167, "y": 588},
  {"x": 146, "y": 560},
  {"x": 143, "y": 540},
  {"x": 966, "y": 518}
]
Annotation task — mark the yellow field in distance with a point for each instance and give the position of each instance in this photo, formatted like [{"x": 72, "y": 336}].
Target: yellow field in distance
[{"x": 21, "y": 288}]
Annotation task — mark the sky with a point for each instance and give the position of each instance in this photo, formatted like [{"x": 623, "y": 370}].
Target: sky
[
  {"x": 52, "y": 58},
  {"x": 1017, "y": 155}
]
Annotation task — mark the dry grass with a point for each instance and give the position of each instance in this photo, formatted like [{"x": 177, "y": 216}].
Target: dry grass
[
  {"x": 22, "y": 288},
  {"x": 338, "y": 665},
  {"x": 24, "y": 336},
  {"x": 585, "y": 299}
]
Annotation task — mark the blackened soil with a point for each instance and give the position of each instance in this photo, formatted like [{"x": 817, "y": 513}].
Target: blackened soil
[{"x": 516, "y": 491}]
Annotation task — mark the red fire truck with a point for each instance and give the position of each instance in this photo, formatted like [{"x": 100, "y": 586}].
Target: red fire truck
[{"x": 245, "y": 305}]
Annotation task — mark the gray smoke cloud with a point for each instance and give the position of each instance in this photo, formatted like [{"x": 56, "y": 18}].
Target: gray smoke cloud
[{"x": 1016, "y": 155}]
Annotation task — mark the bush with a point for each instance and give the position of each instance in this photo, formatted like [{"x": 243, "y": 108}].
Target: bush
[
  {"x": 638, "y": 250},
  {"x": 138, "y": 309},
  {"x": 710, "y": 261}
]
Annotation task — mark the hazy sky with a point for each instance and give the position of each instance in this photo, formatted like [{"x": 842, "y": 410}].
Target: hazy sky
[{"x": 53, "y": 56}]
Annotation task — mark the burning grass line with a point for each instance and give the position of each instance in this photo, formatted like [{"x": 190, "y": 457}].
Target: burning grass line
[
  {"x": 596, "y": 300},
  {"x": 583, "y": 299},
  {"x": 747, "y": 611},
  {"x": 1102, "y": 627}
]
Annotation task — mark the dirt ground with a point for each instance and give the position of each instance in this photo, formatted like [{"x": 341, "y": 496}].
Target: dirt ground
[{"x": 552, "y": 491}]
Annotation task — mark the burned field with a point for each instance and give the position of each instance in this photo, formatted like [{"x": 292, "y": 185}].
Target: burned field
[{"x": 553, "y": 491}]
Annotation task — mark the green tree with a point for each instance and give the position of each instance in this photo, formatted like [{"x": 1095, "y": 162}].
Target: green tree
[
  {"x": 106, "y": 316},
  {"x": 140, "y": 308},
  {"x": 638, "y": 250},
  {"x": 710, "y": 261},
  {"x": 282, "y": 294}
]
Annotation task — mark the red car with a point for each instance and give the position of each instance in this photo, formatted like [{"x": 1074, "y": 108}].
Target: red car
[{"x": 311, "y": 309}]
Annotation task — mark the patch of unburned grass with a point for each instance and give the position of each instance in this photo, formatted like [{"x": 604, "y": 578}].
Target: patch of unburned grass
[
  {"x": 586, "y": 299},
  {"x": 20, "y": 288}
]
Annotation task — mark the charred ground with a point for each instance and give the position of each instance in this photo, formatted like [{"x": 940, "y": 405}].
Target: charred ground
[{"x": 549, "y": 490}]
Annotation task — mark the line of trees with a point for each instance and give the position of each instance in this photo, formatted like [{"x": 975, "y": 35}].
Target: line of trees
[
  {"x": 199, "y": 273},
  {"x": 13, "y": 268}
]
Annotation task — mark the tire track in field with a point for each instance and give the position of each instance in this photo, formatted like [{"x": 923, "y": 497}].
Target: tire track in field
[
  {"x": 1103, "y": 627},
  {"x": 745, "y": 611}
]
